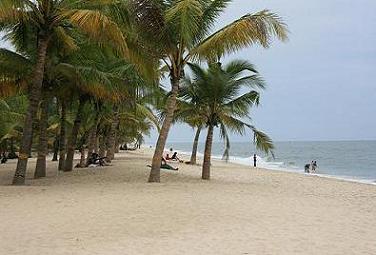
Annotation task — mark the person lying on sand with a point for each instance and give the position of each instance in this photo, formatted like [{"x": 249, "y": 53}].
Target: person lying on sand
[{"x": 166, "y": 166}]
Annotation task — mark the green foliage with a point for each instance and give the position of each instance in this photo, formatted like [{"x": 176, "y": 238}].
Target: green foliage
[{"x": 215, "y": 94}]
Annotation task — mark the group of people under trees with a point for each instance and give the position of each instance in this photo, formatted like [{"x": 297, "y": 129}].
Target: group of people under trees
[{"x": 166, "y": 159}]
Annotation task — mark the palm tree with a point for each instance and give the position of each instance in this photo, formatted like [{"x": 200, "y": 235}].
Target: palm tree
[
  {"x": 49, "y": 18},
  {"x": 217, "y": 90},
  {"x": 179, "y": 31},
  {"x": 192, "y": 113}
]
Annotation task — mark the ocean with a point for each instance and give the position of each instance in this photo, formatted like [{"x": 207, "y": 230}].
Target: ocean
[{"x": 347, "y": 160}]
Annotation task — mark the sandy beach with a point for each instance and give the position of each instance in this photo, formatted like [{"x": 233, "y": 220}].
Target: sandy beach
[{"x": 112, "y": 210}]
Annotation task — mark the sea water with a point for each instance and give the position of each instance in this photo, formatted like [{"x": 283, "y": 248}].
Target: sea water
[{"x": 349, "y": 160}]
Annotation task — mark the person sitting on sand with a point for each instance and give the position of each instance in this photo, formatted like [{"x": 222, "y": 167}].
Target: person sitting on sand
[
  {"x": 96, "y": 160},
  {"x": 168, "y": 157},
  {"x": 175, "y": 157}
]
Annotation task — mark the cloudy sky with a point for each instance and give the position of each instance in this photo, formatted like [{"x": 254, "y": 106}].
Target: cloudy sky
[{"x": 321, "y": 83}]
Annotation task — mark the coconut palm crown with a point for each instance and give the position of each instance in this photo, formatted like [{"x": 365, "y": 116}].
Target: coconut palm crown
[{"x": 217, "y": 92}]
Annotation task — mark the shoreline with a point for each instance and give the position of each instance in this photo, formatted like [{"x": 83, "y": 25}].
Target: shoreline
[{"x": 351, "y": 179}]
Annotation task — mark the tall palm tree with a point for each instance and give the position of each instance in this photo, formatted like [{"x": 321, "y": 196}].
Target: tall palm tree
[
  {"x": 48, "y": 18},
  {"x": 218, "y": 91},
  {"x": 180, "y": 31}
]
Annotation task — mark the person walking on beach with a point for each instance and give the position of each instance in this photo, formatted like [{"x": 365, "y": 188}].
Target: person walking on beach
[
  {"x": 313, "y": 166},
  {"x": 254, "y": 160}
]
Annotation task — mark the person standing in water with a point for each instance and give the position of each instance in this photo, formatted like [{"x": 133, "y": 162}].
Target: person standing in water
[
  {"x": 314, "y": 166},
  {"x": 254, "y": 160}
]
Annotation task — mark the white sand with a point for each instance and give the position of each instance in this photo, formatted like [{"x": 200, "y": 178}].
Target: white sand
[{"x": 113, "y": 210}]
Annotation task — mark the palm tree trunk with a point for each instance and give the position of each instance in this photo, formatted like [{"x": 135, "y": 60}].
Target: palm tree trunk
[
  {"x": 40, "y": 168},
  {"x": 92, "y": 139},
  {"x": 163, "y": 134},
  {"x": 62, "y": 141},
  {"x": 207, "y": 154},
  {"x": 96, "y": 147},
  {"x": 56, "y": 148},
  {"x": 102, "y": 147},
  {"x": 117, "y": 144},
  {"x": 82, "y": 158},
  {"x": 112, "y": 136},
  {"x": 12, "y": 151},
  {"x": 34, "y": 98},
  {"x": 71, "y": 145},
  {"x": 193, "y": 160}
]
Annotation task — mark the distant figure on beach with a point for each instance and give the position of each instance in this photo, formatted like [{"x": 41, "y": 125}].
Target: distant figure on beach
[
  {"x": 314, "y": 166},
  {"x": 254, "y": 160},
  {"x": 306, "y": 168}
]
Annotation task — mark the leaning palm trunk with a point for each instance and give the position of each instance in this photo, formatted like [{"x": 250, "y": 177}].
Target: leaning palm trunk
[
  {"x": 34, "y": 97},
  {"x": 193, "y": 160},
  {"x": 71, "y": 145},
  {"x": 40, "y": 168},
  {"x": 62, "y": 139},
  {"x": 163, "y": 134},
  {"x": 111, "y": 138},
  {"x": 207, "y": 154}
]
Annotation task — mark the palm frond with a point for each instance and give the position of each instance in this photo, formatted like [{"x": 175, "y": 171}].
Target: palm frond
[
  {"x": 258, "y": 28},
  {"x": 212, "y": 10},
  {"x": 186, "y": 16},
  {"x": 240, "y": 106},
  {"x": 99, "y": 27}
]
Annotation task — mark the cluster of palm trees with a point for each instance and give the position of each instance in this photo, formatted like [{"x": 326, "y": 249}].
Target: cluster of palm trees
[{"x": 85, "y": 75}]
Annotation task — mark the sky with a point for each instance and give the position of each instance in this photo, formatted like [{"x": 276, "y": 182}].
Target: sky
[{"x": 321, "y": 83}]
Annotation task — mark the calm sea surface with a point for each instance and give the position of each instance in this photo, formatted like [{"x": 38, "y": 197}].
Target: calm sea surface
[{"x": 352, "y": 160}]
